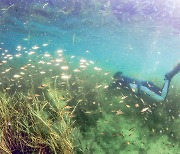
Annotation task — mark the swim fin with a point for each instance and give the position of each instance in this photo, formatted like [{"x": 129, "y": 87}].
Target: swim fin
[{"x": 173, "y": 72}]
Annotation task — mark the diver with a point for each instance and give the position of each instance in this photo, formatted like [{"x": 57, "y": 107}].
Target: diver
[{"x": 145, "y": 87}]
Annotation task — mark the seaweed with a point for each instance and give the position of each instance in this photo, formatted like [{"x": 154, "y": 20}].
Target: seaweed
[{"x": 68, "y": 108}]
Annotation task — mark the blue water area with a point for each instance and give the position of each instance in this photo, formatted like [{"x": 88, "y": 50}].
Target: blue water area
[
  {"x": 139, "y": 38},
  {"x": 142, "y": 49}
]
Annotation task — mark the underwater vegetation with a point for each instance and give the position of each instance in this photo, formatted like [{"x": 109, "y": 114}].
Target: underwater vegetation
[
  {"x": 33, "y": 112},
  {"x": 62, "y": 104},
  {"x": 34, "y": 126},
  {"x": 57, "y": 102},
  {"x": 42, "y": 102}
]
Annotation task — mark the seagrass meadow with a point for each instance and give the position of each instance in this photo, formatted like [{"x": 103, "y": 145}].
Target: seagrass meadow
[{"x": 57, "y": 62}]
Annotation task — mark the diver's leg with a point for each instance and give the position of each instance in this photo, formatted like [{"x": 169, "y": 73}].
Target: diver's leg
[
  {"x": 152, "y": 94},
  {"x": 134, "y": 88},
  {"x": 165, "y": 89},
  {"x": 173, "y": 72}
]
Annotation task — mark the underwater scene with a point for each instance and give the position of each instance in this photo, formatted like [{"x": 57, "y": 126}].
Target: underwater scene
[{"x": 89, "y": 77}]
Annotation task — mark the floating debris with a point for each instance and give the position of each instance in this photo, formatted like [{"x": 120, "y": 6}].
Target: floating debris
[
  {"x": 119, "y": 112},
  {"x": 18, "y": 55},
  {"x": 42, "y": 72},
  {"x": 7, "y": 70},
  {"x": 36, "y": 95},
  {"x": 106, "y": 73},
  {"x": 65, "y": 77},
  {"x": 64, "y": 67},
  {"x": 136, "y": 105},
  {"x": 19, "y": 48},
  {"x": 4, "y": 61},
  {"x": 83, "y": 66},
  {"x": 98, "y": 86},
  {"x": 68, "y": 107},
  {"x": 44, "y": 85},
  {"x": 124, "y": 97},
  {"x": 35, "y": 47},
  {"x": 82, "y": 60},
  {"x": 41, "y": 62},
  {"x": 144, "y": 109},
  {"x": 19, "y": 86},
  {"x": 47, "y": 55},
  {"x": 45, "y": 44},
  {"x": 87, "y": 112},
  {"x": 105, "y": 87},
  {"x": 45, "y": 5},
  {"x": 142, "y": 101},
  {"x": 17, "y": 76},
  {"x": 60, "y": 51},
  {"x": 91, "y": 62},
  {"x": 128, "y": 143},
  {"x": 59, "y": 60},
  {"x": 76, "y": 70},
  {"x": 97, "y": 69},
  {"x": 29, "y": 98},
  {"x": 128, "y": 106},
  {"x": 31, "y": 53}
]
